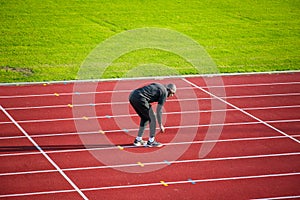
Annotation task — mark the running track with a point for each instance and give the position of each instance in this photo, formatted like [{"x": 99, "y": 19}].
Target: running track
[{"x": 239, "y": 136}]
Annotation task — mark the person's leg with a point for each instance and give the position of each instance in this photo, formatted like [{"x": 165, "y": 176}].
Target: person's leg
[
  {"x": 152, "y": 142},
  {"x": 139, "y": 139},
  {"x": 152, "y": 123},
  {"x": 143, "y": 112},
  {"x": 142, "y": 128},
  {"x": 142, "y": 109}
]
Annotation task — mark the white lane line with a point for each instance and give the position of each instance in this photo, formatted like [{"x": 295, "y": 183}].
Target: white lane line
[
  {"x": 262, "y": 95},
  {"x": 171, "y": 100},
  {"x": 243, "y": 111},
  {"x": 115, "y": 147},
  {"x": 60, "y": 94},
  {"x": 126, "y": 91},
  {"x": 276, "y": 198},
  {"x": 167, "y": 113},
  {"x": 196, "y": 181},
  {"x": 36, "y": 193},
  {"x": 159, "y": 184},
  {"x": 43, "y": 153},
  {"x": 255, "y": 84},
  {"x": 155, "y": 163},
  {"x": 135, "y": 129}
]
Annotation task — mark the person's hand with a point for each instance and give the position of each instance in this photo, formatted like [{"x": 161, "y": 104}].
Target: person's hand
[{"x": 162, "y": 128}]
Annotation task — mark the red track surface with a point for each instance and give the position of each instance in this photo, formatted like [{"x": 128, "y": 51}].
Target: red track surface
[{"x": 247, "y": 129}]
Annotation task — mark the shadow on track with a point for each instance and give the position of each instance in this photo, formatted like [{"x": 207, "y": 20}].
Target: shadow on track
[{"x": 61, "y": 147}]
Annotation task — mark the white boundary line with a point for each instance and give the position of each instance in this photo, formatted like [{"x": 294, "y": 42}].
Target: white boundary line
[
  {"x": 154, "y": 163},
  {"x": 154, "y": 77},
  {"x": 44, "y": 154},
  {"x": 159, "y": 184},
  {"x": 243, "y": 111}
]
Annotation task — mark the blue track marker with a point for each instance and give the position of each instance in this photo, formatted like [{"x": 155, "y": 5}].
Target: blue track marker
[
  {"x": 191, "y": 181},
  {"x": 167, "y": 162}
]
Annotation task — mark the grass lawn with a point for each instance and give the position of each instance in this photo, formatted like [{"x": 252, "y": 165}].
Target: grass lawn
[{"x": 49, "y": 40}]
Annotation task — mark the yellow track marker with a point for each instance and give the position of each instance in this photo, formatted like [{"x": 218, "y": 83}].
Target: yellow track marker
[
  {"x": 85, "y": 118},
  {"x": 140, "y": 164},
  {"x": 102, "y": 132},
  {"x": 121, "y": 148},
  {"x": 56, "y": 94},
  {"x": 70, "y": 105},
  {"x": 164, "y": 183}
]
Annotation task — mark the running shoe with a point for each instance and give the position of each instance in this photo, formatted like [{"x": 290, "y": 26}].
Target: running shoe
[
  {"x": 154, "y": 144},
  {"x": 139, "y": 143}
]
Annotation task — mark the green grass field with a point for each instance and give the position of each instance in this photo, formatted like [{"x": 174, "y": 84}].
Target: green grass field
[{"x": 48, "y": 40}]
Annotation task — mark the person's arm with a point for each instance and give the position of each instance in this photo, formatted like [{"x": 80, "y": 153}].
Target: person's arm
[{"x": 159, "y": 117}]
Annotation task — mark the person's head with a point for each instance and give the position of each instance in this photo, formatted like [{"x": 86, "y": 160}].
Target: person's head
[{"x": 171, "y": 89}]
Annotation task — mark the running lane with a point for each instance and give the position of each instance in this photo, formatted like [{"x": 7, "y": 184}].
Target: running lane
[{"x": 248, "y": 160}]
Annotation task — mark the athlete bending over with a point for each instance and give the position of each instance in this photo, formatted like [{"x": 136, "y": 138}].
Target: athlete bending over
[{"x": 141, "y": 100}]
